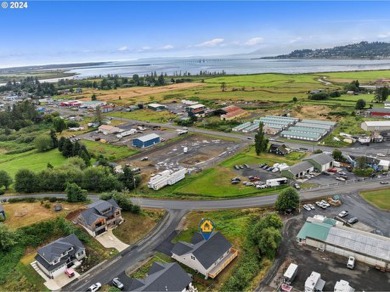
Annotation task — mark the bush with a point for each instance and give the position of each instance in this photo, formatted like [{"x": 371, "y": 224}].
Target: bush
[
  {"x": 17, "y": 200},
  {"x": 47, "y": 205}
]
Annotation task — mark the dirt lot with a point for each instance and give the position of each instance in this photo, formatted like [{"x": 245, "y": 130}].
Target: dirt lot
[
  {"x": 24, "y": 214},
  {"x": 331, "y": 267}
]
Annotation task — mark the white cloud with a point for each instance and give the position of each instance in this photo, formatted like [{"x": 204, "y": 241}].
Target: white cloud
[
  {"x": 124, "y": 48},
  {"x": 293, "y": 41},
  {"x": 167, "y": 47},
  {"x": 383, "y": 35},
  {"x": 144, "y": 48},
  {"x": 211, "y": 43},
  {"x": 254, "y": 41}
]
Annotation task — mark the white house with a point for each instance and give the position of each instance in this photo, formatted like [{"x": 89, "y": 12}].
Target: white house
[
  {"x": 53, "y": 259},
  {"x": 208, "y": 257}
]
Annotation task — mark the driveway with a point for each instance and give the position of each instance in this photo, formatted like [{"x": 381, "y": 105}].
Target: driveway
[{"x": 109, "y": 240}]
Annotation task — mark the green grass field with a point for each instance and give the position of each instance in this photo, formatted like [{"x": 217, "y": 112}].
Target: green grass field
[
  {"x": 379, "y": 198},
  {"x": 145, "y": 115},
  {"x": 32, "y": 160},
  {"x": 111, "y": 152}
]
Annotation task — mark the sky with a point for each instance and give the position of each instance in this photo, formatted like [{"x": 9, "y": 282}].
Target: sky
[{"x": 50, "y": 32}]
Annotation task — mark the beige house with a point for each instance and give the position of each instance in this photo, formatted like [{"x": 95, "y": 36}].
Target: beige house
[{"x": 208, "y": 257}]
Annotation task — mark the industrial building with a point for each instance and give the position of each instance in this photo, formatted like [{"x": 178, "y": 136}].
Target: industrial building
[
  {"x": 331, "y": 236},
  {"x": 375, "y": 126},
  {"x": 309, "y": 130},
  {"x": 166, "y": 177},
  {"x": 377, "y": 112},
  {"x": 231, "y": 112},
  {"x": 146, "y": 141},
  {"x": 156, "y": 107},
  {"x": 319, "y": 162},
  {"x": 272, "y": 124},
  {"x": 107, "y": 129}
]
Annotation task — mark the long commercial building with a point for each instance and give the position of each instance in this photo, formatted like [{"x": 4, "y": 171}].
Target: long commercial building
[
  {"x": 309, "y": 130},
  {"x": 331, "y": 236},
  {"x": 375, "y": 126}
]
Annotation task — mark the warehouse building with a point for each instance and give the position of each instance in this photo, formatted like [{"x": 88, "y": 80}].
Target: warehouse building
[
  {"x": 377, "y": 112},
  {"x": 146, "y": 141},
  {"x": 309, "y": 136},
  {"x": 156, "y": 107},
  {"x": 327, "y": 235},
  {"x": 319, "y": 162},
  {"x": 298, "y": 170},
  {"x": 309, "y": 130},
  {"x": 376, "y": 126}
]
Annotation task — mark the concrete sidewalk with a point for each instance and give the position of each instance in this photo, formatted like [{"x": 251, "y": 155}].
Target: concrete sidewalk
[{"x": 109, "y": 240}]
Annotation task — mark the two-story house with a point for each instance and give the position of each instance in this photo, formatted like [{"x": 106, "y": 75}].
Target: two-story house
[
  {"x": 208, "y": 257},
  {"x": 163, "y": 277},
  {"x": 100, "y": 216},
  {"x": 53, "y": 259}
]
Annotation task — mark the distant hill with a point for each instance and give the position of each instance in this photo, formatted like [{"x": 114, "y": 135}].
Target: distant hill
[{"x": 362, "y": 50}]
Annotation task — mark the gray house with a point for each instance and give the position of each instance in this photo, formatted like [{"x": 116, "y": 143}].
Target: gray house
[
  {"x": 53, "y": 259},
  {"x": 2, "y": 213},
  {"x": 208, "y": 257},
  {"x": 163, "y": 277},
  {"x": 100, "y": 216}
]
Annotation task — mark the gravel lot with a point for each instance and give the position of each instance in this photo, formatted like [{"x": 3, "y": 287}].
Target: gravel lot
[{"x": 331, "y": 267}]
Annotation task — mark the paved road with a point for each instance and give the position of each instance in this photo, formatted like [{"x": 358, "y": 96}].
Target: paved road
[{"x": 105, "y": 272}]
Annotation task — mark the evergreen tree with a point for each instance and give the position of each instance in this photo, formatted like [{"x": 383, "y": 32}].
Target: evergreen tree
[{"x": 261, "y": 143}]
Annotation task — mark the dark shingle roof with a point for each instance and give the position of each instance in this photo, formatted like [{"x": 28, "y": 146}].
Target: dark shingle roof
[
  {"x": 181, "y": 248},
  {"x": 163, "y": 277},
  {"x": 206, "y": 251},
  {"x": 96, "y": 209},
  {"x": 53, "y": 250}
]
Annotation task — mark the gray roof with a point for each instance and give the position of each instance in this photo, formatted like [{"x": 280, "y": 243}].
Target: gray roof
[
  {"x": 300, "y": 167},
  {"x": 53, "y": 251},
  {"x": 321, "y": 158},
  {"x": 181, "y": 248},
  {"x": 147, "y": 137},
  {"x": 96, "y": 209},
  {"x": 208, "y": 251},
  {"x": 163, "y": 277}
]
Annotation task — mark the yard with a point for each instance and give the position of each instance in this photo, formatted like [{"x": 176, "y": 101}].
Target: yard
[
  {"x": 136, "y": 226},
  {"x": 24, "y": 214},
  {"x": 111, "y": 152},
  {"x": 378, "y": 198},
  {"x": 35, "y": 161}
]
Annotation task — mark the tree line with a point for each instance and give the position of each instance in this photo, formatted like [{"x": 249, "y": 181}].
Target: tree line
[{"x": 93, "y": 179}]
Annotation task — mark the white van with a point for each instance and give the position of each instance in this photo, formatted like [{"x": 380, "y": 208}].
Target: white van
[{"x": 351, "y": 262}]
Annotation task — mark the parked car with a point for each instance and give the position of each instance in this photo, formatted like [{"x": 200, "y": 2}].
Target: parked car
[
  {"x": 117, "y": 283},
  {"x": 144, "y": 158},
  {"x": 261, "y": 186},
  {"x": 236, "y": 178},
  {"x": 297, "y": 186},
  {"x": 265, "y": 165},
  {"x": 351, "y": 262},
  {"x": 69, "y": 272},
  {"x": 340, "y": 178},
  {"x": 334, "y": 170},
  {"x": 241, "y": 166},
  {"x": 343, "y": 214},
  {"x": 246, "y": 165},
  {"x": 234, "y": 182},
  {"x": 325, "y": 203},
  {"x": 270, "y": 169},
  {"x": 94, "y": 287},
  {"x": 306, "y": 207},
  {"x": 261, "y": 165},
  {"x": 311, "y": 206},
  {"x": 384, "y": 182},
  {"x": 325, "y": 173},
  {"x": 353, "y": 220},
  {"x": 236, "y": 167}
]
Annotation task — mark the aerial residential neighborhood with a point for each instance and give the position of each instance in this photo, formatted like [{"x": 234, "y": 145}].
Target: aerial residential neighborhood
[{"x": 195, "y": 146}]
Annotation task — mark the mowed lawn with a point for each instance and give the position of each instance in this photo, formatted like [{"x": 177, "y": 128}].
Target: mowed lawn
[
  {"x": 112, "y": 152},
  {"x": 32, "y": 160},
  {"x": 379, "y": 198}
]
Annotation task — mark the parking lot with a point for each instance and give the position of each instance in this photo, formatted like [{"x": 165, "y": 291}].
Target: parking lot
[{"x": 331, "y": 266}]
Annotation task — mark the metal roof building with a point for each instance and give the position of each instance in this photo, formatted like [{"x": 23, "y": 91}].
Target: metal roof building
[
  {"x": 320, "y": 122},
  {"x": 375, "y": 125},
  {"x": 146, "y": 141},
  {"x": 366, "y": 247},
  {"x": 301, "y": 135}
]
